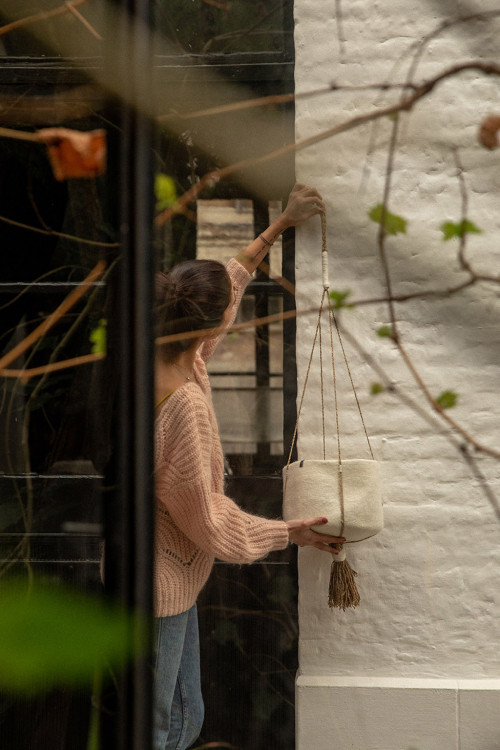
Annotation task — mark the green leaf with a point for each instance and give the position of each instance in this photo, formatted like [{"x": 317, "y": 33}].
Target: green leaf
[
  {"x": 376, "y": 388},
  {"x": 447, "y": 399},
  {"x": 98, "y": 337},
  {"x": 165, "y": 191},
  {"x": 55, "y": 636},
  {"x": 385, "y": 332},
  {"x": 393, "y": 224},
  {"x": 451, "y": 230},
  {"x": 339, "y": 298}
]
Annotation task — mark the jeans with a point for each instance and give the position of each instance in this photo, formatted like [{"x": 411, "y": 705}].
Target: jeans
[{"x": 178, "y": 703}]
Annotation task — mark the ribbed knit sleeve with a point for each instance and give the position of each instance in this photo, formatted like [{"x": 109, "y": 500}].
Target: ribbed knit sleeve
[{"x": 189, "y": 476}]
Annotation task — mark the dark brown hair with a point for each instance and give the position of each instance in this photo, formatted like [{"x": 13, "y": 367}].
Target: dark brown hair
[{"x": 192, "y": 296}]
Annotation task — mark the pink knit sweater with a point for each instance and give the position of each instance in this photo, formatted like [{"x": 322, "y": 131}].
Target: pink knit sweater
[{"x": 195, "y": 521}]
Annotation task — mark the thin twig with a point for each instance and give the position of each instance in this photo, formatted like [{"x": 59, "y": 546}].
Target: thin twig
[
  {"x": 444, "y": 26},
  {"x": 26, "y": 374},
  {"x": 62, "y": 235},
  {"x": 382, "y": 231},
  {"x": 464, "y": 210},
  {"x": 254, "y": 323},
  {"x": 274, "y": 100},
  {"x": 439, "y": 409},
  {"x": 83, "y": 20},
  {"x": 37, "y": 17},
  {"x": 54, "y": 317},
  {"x": 417, "y": 295},
  {"x": 19, "y": 135}
]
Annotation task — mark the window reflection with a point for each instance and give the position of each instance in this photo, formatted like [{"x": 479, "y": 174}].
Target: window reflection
[
  {"x": 248, "y": 402},
  {"x": 205, "y": 27},
  {"x": 208, "y": 28}
]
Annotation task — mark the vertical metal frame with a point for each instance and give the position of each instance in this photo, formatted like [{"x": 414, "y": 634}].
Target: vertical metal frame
[{"x": 129, "y": 517}]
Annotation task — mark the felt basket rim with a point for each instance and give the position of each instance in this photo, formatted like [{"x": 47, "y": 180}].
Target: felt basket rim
[{"x": 302, "y": 461}]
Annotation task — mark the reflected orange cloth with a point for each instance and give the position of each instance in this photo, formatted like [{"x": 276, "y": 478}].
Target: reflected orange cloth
[{"x": 75, "y": 153}]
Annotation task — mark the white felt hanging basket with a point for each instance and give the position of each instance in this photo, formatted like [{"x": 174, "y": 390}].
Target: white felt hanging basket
[
  {"x": 312, "y": 488},
  {"x": 346, "y": 491}
]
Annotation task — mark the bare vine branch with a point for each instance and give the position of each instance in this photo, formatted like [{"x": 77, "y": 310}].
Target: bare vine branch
[
  {"x": 276, "y": 99},
  {"x": 63, "y": 235},
  {"x": 67, "y": 7},
  {"x": 83, "y": 21},
  {"x": 444, "y": 26},
  {"x": 26, "y": 374},
  {"x": 54, "y": 317},
  {"x": 405, "y": 104}
]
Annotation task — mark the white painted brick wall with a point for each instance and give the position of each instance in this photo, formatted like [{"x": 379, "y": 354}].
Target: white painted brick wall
[{"x": 429, "y": 582}]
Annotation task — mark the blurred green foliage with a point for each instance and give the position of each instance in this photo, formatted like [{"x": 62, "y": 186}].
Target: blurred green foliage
[
  {"x": 339, "y": 298},
  {"x": 51, "y": 635}
]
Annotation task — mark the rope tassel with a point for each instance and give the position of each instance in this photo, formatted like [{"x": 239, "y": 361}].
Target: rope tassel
[{"x": 343, "y": 592}]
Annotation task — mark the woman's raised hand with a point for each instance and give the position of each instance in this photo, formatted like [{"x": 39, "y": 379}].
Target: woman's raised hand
[
  {"x": 303, "y": 202},
  {"x": 300, "y": 533}
]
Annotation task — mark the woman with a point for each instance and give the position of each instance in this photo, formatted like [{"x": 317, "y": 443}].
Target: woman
[{"x": 195, "y": 522}]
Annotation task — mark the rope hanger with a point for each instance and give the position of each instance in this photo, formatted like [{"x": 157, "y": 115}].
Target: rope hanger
[{"x": 332, "y": 323}]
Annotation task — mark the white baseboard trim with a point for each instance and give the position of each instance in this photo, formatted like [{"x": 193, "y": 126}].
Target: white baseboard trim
[{"x": 393, "y": 713}]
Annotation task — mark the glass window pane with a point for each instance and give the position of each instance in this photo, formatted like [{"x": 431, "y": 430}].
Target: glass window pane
[
  {"x": 248, "y": 641},
  {"x": 50, "y": 28},
  {"x": 225, "y": 227},
  {"x": 55, "y": 407},
  {"x": 204, "y": 27}
]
